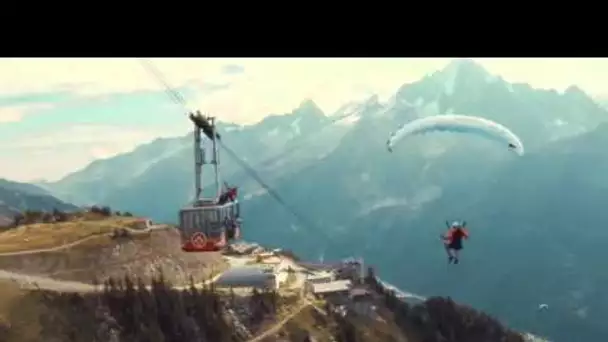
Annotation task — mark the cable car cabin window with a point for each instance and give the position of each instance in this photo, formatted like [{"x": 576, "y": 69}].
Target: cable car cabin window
[
  {"x": 211, "y": 216},
  {"x": 229, "y": 213},
  {"x": 193, "y": 219},
  {"x": 185, "y": 221},
  {"x": 213, "y": 222},
  {"x": 198, "y": 223},
  {"x": 206, "y": 221},
  {"x": 210, "y": 220}
]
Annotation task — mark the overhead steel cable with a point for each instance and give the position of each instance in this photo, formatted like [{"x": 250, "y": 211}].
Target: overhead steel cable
[
  {"x": 178, "y": 99},
  {"x": 303, "y": 139},
  {"x": 173, "y": 94},
  {"x": 253, "y": 174}
]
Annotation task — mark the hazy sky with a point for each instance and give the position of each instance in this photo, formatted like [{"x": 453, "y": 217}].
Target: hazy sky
[{"x": 57, "y": 115}]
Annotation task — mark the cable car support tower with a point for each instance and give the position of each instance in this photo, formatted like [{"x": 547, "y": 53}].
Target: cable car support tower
[{"x": 209, "y": 223}]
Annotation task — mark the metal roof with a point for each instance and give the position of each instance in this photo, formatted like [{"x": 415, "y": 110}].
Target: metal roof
[
  {"x": 318, "y": 266},
  {"x": 320, "y": 275},
  {"x": 246, "y": 277},
  {"x": 334, "y": 286},
  {"x": 358, "y": 292}
]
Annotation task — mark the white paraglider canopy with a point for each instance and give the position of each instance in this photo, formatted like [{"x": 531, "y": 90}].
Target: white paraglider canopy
[{"x": 458, "y": 124}]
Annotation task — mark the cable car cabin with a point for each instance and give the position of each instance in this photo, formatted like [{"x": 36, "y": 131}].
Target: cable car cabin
[
  {"x": 208, "y": 226},
  {"x": 210, "y": 223}
]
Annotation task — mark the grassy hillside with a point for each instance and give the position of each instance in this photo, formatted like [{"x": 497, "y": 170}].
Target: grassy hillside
[
  {"x": 89, "y": 246},
  {"x": 127, "y": 310},
  {"x": 51, "y": 235}
]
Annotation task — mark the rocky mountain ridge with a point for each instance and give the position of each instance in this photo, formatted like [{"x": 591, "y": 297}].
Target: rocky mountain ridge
[{"x": 392, "y": 206}]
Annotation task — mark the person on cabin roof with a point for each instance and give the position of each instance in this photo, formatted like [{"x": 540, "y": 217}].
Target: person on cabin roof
[
  {"x": 229, "y": 195},
  {"x": 232, "y": 192},
  {"x": 452, "y": 240},
  {"x": 223, "y": 198}
]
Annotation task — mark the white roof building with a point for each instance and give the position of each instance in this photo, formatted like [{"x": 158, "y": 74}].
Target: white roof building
[
  {"x": 321, "y": 277},
  {"x": 334, "y": 286}
]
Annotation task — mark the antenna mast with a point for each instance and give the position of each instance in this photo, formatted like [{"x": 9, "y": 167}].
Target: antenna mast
[
  {"x": 199, "y": 161},
  {"x": 216, "y": 158},
  {"x": 204, "y": 125}
]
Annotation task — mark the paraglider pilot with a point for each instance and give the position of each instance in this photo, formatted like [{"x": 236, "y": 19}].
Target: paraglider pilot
[{"x": 452, "y": 240}]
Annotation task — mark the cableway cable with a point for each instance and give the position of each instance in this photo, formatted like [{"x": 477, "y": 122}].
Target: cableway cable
[
  {"x": 173, "y": 94},
  {"x": 178, "y": 99}
]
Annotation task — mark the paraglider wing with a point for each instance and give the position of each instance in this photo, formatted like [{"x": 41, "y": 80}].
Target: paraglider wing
[{"x": 459, "y": 124}]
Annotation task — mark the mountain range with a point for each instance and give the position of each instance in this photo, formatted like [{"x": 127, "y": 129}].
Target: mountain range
[
  {"x": 16, "y": 197},
  {"x": 536, "y": 220}
]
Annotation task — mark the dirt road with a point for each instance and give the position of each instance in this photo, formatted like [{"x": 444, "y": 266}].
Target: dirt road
[{"x": 83, "y": 240}]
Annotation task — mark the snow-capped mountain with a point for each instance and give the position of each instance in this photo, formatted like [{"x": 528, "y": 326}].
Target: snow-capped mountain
[{"x": 334, "y": 169}]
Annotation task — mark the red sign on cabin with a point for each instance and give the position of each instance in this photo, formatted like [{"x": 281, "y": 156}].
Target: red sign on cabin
[{"x": 198, "y": 240}]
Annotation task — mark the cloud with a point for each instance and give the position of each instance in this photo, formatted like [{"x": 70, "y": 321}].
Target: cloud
[
  {"x": 97, "y": 106},
  {"x": 13, "y": 108},
  {"x": 101, "y": 75},
  {"x": 271, "y": 86},
  {"x": 87, "y": 134},
  {"x": 233, "y": 69},
  {"x": 50, "y": 96},
  {"x": 11, "y": 114},
  {"x": 102, "y": 152},
  {"x": 266, "y": 85},
  {"x": 207, "y": 88},
  {"x": 15, "y": 113},
  {"x": 70, "y": 83},
  {"x": 260, "y": 86},
  {"x": 52, "y": 154}
]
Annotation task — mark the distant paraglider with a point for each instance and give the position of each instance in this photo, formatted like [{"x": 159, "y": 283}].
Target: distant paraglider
[
  {"x": 458, "y": 124},
  {"x": 543, "y": 307}
]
